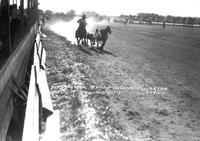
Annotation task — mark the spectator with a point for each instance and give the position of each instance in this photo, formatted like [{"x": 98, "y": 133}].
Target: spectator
[
  {"x": 15, "y": 19},
  {"x": 82, "y": 24}
]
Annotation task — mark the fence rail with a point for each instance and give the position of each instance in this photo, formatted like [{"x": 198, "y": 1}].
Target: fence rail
[{"x": 39, "y": 105}]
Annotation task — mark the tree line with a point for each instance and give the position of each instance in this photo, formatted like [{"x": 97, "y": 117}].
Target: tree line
[
  {"x": 66, "y": 16},
  {"x": 54, "y": 16},
  {"x": 143, "y": 17}
]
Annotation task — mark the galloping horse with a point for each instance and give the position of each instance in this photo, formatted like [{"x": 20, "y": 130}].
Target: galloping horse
[
  {"x": 104, "y": 36},
  {"x": 81, "y": 35}
]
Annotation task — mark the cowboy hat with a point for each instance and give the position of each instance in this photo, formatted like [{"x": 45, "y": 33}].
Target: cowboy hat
[{"x": 84, "y": 16}]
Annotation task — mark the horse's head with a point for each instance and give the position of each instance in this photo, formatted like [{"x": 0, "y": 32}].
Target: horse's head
[{"x": 108, "y": 29}]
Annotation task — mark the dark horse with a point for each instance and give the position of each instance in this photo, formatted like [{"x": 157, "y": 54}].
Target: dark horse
[
  {"x": 81, "y": 35},
  {"x": 104, "y": 36}
]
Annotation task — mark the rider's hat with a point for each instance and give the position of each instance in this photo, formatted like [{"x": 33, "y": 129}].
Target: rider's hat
[{"x": 84, "y": 16}]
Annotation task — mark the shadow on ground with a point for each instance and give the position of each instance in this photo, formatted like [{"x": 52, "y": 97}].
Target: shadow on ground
[
  {"x": 102, "y": 52},
  {"x": 86, "y": 51}
]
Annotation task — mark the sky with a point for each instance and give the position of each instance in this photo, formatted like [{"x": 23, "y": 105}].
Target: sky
[{"x": 126, "y": 7}]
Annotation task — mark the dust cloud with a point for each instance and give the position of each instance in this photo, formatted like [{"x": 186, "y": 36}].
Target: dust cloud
[{"x": 68, "y": 29}]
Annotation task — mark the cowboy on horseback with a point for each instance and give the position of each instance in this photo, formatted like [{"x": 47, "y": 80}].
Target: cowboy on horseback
[
  {"x": 82, "y": 24},
  {"x": 81, "y": 31}
]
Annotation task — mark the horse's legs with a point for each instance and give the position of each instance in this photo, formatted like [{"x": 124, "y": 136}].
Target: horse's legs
[
  {"x": 85, "y": 42},
  {"x": 81, "y": 41},
  {"x": 97, "y": 44},
  {"x": 77, "y": 40},
  {"x": 104, "y": 42},
  {"x": 91, "y": 43}
]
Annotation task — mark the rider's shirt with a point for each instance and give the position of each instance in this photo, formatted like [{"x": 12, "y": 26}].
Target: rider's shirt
[
  {"x": 14, "y": 13},
  {"x": 97, "y": 34},
  {"x": 82, "y": 23}
]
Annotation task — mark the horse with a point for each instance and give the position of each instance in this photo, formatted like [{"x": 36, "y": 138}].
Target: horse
[
  {"x": 81, "y": 35},
  {"x": 104, "y": 36}
]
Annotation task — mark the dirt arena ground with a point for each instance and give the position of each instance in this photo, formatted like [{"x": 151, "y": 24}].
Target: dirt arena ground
[{"x": 144, "y": 86}]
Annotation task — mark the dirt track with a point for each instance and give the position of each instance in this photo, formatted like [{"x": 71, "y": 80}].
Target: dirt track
[{"x": 144, "y": 86}]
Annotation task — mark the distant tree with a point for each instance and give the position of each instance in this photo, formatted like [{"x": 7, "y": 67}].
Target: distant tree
[
  {"x": 40, "y": 12},
  {"x": 90, "y": 14},
  {"x": 179, "y": 20},
  {"x": 183, "y": 20},
  {"x": 48, "y": 14},
  {"x": 71, "y": 13},
  {"x": 122, "y": 16},
  {"x": 174, "y": 20},
  {"x": 151, "y": 17},
  {"x": 169, "y": 19}
]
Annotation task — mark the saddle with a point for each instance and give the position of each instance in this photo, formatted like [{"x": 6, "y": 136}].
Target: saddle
[{"x": 81, "y": 32}]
